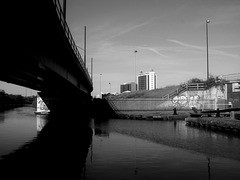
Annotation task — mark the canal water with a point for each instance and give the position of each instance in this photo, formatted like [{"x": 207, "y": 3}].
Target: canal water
[{"x": 74, "y": 146}]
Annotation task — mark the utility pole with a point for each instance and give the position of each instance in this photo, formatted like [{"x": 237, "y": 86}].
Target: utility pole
[
  {"x": 208, "y": 21},
  {"x": 85, "y": 44},
  {"x": 110, "y": 87},
  {"x": 92, "y": 68},
  {"x": 101, "y": 85},
  {"x": 135, "y": 51}
]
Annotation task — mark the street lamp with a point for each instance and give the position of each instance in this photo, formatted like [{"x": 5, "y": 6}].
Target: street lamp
[
  {"x": 110, "y": 87},
  {"x": 135, "y": 51},
  {"x": 207, "y": 21},
  {"x": 100, "y": 85}
]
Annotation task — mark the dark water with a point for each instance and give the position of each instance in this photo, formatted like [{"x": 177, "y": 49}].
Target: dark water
[{"x": 76, "y": 147}]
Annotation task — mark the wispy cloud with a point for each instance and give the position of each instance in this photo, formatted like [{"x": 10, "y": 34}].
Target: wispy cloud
[
  {"x": 227, "y": 47},
  {"x": 200, "y": 49},
  {"x": 185, "y": 44},
  {"x": 131, "y": 28},
  {"x": 154, "y": 50}
]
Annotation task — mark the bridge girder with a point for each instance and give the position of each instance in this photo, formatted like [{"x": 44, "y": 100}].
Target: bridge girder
[{"x": 42, "y": 58}]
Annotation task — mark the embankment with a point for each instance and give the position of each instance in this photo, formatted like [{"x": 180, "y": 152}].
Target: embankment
[
  {"x": 102, "y": 109},
  {"x": 217, "y": 124}
]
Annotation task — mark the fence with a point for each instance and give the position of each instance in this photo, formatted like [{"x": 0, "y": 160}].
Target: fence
[{"x": 186, "y": 87}]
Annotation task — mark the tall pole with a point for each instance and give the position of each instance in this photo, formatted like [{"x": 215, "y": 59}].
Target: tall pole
[
  {"x": 208, "y": 21},
  {"x": 110, "y": 87},
  {"x": 92, "y": 68},
  {"x": 135, "y": 51},
  {"x": 64, "y": 9},
  {"x": 101, "y": 85},
  {"x": 85, "y": 44}
]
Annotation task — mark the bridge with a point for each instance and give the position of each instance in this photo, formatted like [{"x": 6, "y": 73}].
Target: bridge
[{"x": 39, "y": 53}]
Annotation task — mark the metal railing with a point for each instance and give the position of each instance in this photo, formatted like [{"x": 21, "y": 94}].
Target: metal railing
[
  {"x": 69, "y": 36},
  {"x": 186, "y": 87},
  {"x": 113, "y": 106},
  {"x": 201, "y": 86}
]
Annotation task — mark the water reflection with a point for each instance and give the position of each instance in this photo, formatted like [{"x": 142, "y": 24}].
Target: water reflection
[
  {"x": 136, "y": 149},
  {"x": 2, "y": 118},
  {"x": 41, "y": 122},
  {"x": 101, "y": 127},
  {"x": 176, "y": 134},
  {"x": 59, "y": 150},
  {"x": 71, "y": 146},
  {"x": 209, "y": 168}
]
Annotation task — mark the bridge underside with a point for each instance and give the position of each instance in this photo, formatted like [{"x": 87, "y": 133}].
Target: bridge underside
[{"x": 37, "y": 53}]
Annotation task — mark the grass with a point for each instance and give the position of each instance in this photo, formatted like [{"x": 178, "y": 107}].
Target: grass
[{"x": 156, "y": 93}]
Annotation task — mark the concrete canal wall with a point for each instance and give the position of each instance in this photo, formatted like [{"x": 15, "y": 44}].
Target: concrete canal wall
[
  {"x": 213, "y": 98},
  {"x": 140, "y": 104}
]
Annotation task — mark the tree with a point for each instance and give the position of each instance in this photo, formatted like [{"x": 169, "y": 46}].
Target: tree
[{"x": 195, "y": 80}]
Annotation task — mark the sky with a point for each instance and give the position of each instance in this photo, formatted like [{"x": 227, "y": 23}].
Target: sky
[{"x": 169, "y": 36}]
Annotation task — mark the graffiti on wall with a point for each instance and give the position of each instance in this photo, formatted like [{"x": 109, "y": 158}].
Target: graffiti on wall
[{"x": 184, "y": 101}]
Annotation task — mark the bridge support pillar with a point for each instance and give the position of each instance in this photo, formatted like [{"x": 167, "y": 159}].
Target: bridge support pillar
[{"x": 68, "y": 104}]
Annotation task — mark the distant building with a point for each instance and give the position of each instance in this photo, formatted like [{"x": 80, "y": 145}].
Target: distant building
[
  {"x": 142, "y": 81},
  {"x": 233, "y": 93},
  {"x": 232, "y": 89},
  {"x": 147, "y": 81},
  {"x": 128, "y": 87}
]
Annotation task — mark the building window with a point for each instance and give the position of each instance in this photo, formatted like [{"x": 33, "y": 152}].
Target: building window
[{"x": 236, "y": 87}]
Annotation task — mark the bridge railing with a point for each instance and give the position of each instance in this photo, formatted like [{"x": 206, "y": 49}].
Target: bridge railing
[{"x": 69, "y": 36}]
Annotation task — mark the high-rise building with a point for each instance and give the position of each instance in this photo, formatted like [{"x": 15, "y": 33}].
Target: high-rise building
[
  {"x": 142, "y": 81},
  {"x": 147, "y": 81},
  {"x": 128, "y": 87}
]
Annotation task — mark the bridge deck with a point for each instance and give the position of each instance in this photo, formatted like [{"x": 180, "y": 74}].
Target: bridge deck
[{"x": 39, "y": 51}]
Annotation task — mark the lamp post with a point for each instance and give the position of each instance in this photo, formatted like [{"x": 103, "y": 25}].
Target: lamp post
[
  {"x": 110, "y": 87},
  {"x": 135, "y": 51},
  {"x": 207, "y": 21},
  {"x": 101, "y": 85},
  {"x": 92, "y": 69},
  {"x": 85, "y": 45}
]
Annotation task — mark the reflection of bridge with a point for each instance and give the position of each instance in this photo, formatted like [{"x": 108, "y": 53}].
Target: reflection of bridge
[{"x": 40, "y": 53}]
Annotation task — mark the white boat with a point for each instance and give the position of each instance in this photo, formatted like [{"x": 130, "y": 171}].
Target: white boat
[{"x": 41, "y": 106}]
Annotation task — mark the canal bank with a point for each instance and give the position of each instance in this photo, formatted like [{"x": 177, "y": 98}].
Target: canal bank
[
  {"x": 223, "y": 124},
  {"x": 219, "y": 94},
  {"x": 227, "y": 124},
  {"x": 156, "y": 115},
  {"x": 10, "y": 101}
]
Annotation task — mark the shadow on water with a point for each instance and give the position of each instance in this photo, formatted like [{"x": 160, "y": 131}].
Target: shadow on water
[
  {"x": 2, "y": 118},
  {"x": 209, "y": 168},
  {"x": 101, "y": 127},
  {"x": 59, "y": 150}
]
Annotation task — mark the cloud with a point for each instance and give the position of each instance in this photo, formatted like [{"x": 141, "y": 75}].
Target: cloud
[
  {"x": 227, "y": 47},
  {"x": 131, "y": 28},
  {"x": 153, "y": 49},
  {"x": 200, "y": 49},
  {"x": 185, "y": 44}
]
